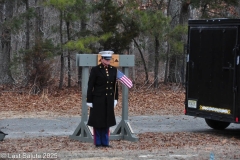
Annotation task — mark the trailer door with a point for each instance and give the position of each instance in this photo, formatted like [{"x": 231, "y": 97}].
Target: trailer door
[{"x": 211, "y": 70}]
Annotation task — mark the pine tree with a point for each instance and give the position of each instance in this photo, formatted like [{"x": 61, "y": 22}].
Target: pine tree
[
  {"x": 155, "y": 24},
  {"x": 112, "y": 20}
]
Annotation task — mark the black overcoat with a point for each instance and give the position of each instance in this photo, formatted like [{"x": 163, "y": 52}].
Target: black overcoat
[{"x": 101, "y": 92}]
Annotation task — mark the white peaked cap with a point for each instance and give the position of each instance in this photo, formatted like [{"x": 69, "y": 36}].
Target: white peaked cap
[{"x": 106, "y": 53}]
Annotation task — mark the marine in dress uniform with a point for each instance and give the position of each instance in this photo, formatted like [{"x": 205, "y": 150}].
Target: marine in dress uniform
[{"x": 102, "y": 96}]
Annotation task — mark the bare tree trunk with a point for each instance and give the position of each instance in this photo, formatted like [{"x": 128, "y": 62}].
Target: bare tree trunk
[
  {"x": 183, "y": 19},
  {"x": 172, "y": 65},
  {"x": 167, "y": 64},
  {"x": 62, "y": 56},
  {"x": 184, "y": 12},
  {"x": 181, "y": 15},
  {"x": 168, "y": 49},
  {"x": 27, "y": 26},
  {"x": 27, "y": 45},
  {"x": 157, "y": 58},
  {"x": 83, "y": 29},
  {"x": 38, "y": 22},
  {"x": 6, "y": 14},
  {"x": 69, "y": 55},
  {"x": 143, "y": 60}
]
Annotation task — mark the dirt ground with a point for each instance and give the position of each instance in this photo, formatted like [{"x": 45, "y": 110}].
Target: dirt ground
[{"x": 142, "y": 101}]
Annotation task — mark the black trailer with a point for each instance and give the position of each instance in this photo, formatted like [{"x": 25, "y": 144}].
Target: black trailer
[{"x": 213, "y": 71}]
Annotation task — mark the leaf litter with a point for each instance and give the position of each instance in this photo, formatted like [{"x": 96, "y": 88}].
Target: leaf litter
[{"x": 67, "y": 102}]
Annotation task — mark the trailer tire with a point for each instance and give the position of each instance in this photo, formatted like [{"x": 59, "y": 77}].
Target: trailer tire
[{"x": 218, "y": 125}]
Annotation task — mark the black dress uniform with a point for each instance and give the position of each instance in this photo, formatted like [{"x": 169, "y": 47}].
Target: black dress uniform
[{"x": 102, "y": 91}]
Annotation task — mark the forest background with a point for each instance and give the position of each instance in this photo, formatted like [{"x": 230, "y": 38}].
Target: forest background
[{"x": 40, "y": 38}]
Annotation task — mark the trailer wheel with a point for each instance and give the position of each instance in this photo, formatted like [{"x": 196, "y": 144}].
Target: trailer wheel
[{"x": 219, "y": 125}]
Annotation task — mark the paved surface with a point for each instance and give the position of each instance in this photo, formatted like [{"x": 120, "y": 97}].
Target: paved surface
[{"x": 64, "y": 126}]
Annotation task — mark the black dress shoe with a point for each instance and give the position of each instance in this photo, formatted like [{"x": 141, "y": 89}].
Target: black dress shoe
[
  {"x": 98, "y": 146},
  {"x": 107, "y": 146}
]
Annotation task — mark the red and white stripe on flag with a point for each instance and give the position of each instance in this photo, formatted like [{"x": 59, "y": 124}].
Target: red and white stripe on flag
[{"x": 124, "y": 79}]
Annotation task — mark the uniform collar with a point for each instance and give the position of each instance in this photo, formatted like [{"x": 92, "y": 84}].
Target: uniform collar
[{"x": 102, "y": 66}]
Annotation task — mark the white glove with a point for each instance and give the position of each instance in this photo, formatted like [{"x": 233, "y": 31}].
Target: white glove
[
  {"x": 115, "y": 103},
  {"x": 89, "y": 105}
]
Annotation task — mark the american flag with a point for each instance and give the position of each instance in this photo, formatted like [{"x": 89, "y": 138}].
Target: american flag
[{"x": 124, "y": 79}]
